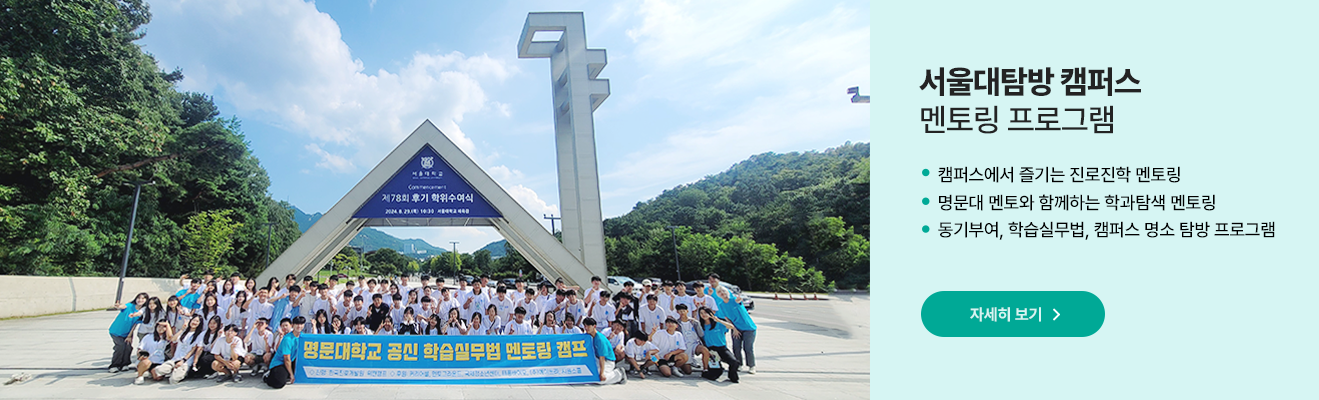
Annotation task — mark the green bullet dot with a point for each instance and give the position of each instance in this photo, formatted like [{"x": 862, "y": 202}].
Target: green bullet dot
[
  {"x": 925, "y": 201},
  {"x": 925, "y": 229},
  {"x": 925, "y": 172}
]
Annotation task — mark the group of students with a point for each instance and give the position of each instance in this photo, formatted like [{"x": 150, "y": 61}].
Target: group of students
[{"x": 213, "y": 328}]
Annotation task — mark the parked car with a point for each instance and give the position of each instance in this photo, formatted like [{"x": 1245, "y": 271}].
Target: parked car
[
  {"x": 615, "y": 283},
  {"x": 734, "y": 289},
  {"x": 509, "y": 282}
]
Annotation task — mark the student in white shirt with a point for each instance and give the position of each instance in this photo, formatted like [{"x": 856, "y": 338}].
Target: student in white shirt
[
  {"x": 396, "y": 308},
  {"x": 307, "y": 302},
  {"x": 672, "y": 350},
  {"x": 570, "y": 324},
  {"x": 529, "y": 304},
  {"x": 176, "y": 314},
  {"x": 211, "y": 308},
  {"x": 475, "y": 301},
  {"x": 238, "y": 314},
  {"x": 546, "y": 302},
  {"x": 185, "y": 349},
  {"x": 359, "y": 310},
  {"x": 403, "y": 287},
  {"x": 349, "y": 291},
  {"x": 430, "y": 326},
  {"x": 229, "y": 354},
  {"x": 571, "y": 306},
  {"x": 682, "y": 298},
  {"x": 226, "y": 295},
  {"x": 152, "y": 353},
  {"x": 447, "y": 302},
  {"x": 412, "y": 299},
  {"x": 454, "y": 324},
  {"x": 150, "y": 313},
  {"x": 691, "y": 335},
  {"x": 462, "y": 292},
  {"x": 337, "y": 326},
  {"x": 359, "y": 327},
  {"x": 477, "y": 325},
  {"x": 425, "y": 309},
  {"x": 519, "y": 325},
  {"x": 494, "y": 324},
  {"x": 602, "y": 310},
  {"x": 321, "y": 324},
  {"x": 387, "y": 327},
  {"x": 261, "y": 307},
  {"x": 346, "y": 304},
  {"x": 324, "y": 301},
  {"x": 593, "y": 294},
  {"x": 519, "y": 292},
  {"x": 249, "y": 286},
  {"x": 667, "y": 298},
  {"x": 260, "y": 341},
  {"x": 617, "y": 334},
  {"x": 652, "y": 316},
  {"x": 701, "y": 300},
  {"x": 549, "y": 325},
  {"x": 333, "y": 284},
  {"x": 640, "y": 354},
  {"x": 503, "y": 303}
]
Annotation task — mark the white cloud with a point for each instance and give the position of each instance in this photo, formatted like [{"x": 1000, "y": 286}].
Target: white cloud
[
  {"x": 757, "y": 77},
  {"x": 285, "y": 63},
  {"x": 329, "y": 161},
  {"x": 504, "y": 174},
  {"x": 531, "y": 201}
]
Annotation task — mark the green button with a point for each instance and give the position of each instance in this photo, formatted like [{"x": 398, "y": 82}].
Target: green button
[{"x": 1012, "y": 314}]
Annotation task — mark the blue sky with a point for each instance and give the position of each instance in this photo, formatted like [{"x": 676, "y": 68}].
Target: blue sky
[{"x": 325, "y": 90}]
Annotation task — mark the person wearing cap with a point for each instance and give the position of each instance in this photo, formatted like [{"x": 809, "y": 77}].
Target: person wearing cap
[{"x": 645, "y": 289}]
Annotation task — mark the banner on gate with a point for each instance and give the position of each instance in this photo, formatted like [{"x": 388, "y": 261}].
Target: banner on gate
[{"x": 413, "y": 359}]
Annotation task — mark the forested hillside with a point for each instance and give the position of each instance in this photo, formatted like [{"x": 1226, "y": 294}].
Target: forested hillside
[
  {"x": 772, "y": 221},
  {"x": 83, "y": 112}
]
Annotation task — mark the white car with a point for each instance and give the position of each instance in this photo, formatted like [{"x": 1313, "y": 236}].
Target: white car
[{"x": 615, "y": 284}]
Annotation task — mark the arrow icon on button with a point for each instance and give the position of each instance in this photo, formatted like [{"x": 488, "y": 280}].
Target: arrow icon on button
[{"x": 1056, "y": 314}]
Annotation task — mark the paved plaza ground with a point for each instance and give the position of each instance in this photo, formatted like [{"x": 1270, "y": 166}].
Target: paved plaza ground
[{"x": 804, "y": 350}]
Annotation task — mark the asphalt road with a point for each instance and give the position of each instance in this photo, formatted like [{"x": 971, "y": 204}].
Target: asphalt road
[{"x": 844, "y": 316}]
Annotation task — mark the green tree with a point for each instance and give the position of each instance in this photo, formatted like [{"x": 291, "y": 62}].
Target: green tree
[
  {"x": 83, "y": 110},
  {"x": 209, "y": 237},
  {"x": 482, "y": 262},
  {"x": 387, "y": 261}
]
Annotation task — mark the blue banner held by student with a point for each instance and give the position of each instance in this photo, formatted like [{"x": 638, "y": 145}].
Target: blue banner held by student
[{"x": 513, "y": 359}]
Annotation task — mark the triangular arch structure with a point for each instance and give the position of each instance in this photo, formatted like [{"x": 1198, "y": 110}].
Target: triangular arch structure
[{"x": 428, "y": 181}]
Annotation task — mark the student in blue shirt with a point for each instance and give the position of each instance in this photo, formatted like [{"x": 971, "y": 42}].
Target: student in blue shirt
[
  {"x": 121, "y": 331},
  {"x": 716, "y": 340},
  {"x": 744, "y": 337},
  {"x": 604, "y": 350},
  {"x": 190, "y": 298},
  {"x": 281, "y": 365}
]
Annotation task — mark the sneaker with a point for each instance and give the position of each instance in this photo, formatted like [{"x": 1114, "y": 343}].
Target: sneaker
[
  {"x": 751, "y": 370},
  {"x": 678, "y": 373},
  {"x": 140, "y": 380},
  {"x": 238, "y": 378},
  {"x": 212, "y": 375},
  {"x": 113, "y": 370},
  {"x": 221, "y": 378}
]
